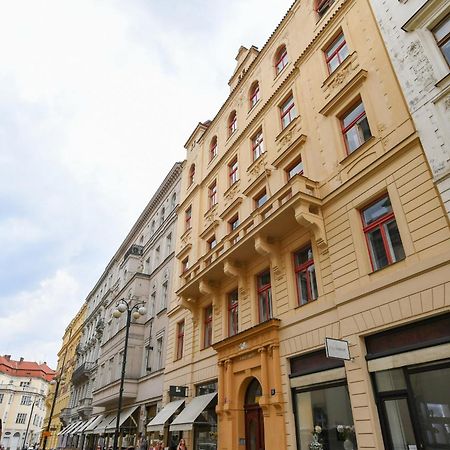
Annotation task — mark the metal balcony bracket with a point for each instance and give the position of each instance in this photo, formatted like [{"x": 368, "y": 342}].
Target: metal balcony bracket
[{"x": 311, "y": 220}]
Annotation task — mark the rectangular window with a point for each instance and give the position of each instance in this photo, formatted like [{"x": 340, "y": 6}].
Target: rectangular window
[
  {"x": 294, "y": 169},
  {"x": 213, "y": 149},
  {"x": 212, "y": 194},
  {"x": 336, "y": 53},
  {"x": 261, "y": 198},
  {"x": 305, "y": 274},
  {"x": 188, "y": 218},
  {"x": 257, "y": 145},
  {"x": 152, "y": 304},
  {"x": 207, "y": 326},
  {"x": 233, "y": 313},
  {"x": 21, "y": 418},
  {"x": 169, "y": 243},
  {"x": 264, "y": 296},
  {"x": 212, "y": 242},
  {"x": 164, "y": 296},
  {"x": 288, "y": 112},
  {"x": 355, "y": 127},
  {"x": 441, "y": 33},
  {"x": 26, "y": 400},
  {"x": 185, "y": 264},
  {"x": 157, "y": 254},
  {"x": 159, "y": 353},
  {"x": 322, "y": 6},
  {"x": 382, "y": 236},
  {"x": 1, "y": 397},
  {"x": 180, "y": 339},
  {"x": 234, "y": 222},
  {"x": 233, "y": 172}
]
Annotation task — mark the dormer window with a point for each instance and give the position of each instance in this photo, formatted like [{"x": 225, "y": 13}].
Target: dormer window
[
  {"x": 232, "y": 123},
  {"x": 213, "y": 148},
  {"x": 191, "y": 174},
  {"x": 281, "y": 59},
  {"x": 254, "y": 94}
]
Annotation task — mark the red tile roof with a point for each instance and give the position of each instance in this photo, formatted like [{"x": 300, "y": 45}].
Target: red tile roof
[{"x": 24, "y": 368}]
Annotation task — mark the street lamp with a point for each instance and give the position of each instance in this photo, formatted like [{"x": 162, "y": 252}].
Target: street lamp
[
  {"x": 55, "y": 382},
  {"x": 135, "y": 311},
  {"x": 28, "y": 426}
]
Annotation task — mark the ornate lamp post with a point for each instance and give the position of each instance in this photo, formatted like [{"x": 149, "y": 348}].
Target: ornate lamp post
[{"x": 134, "y": 311}]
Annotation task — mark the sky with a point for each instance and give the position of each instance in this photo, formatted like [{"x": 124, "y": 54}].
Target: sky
[{"x": 97, "y": 98}]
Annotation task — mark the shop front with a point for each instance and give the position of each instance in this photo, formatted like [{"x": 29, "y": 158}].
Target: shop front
[{"x": 410, "y": 369}]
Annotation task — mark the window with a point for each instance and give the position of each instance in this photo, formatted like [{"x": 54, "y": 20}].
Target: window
[
  {"x": 355, "y": 127},
  {"x": 164, "y": 296},
  {"x": 257, "y": 145},
  {"x": 233, "y": 313},
  {"x": 254, "y": 94},
  {"x": 159, "y": 353},
  {"x": 173, "y": 201},
  {"x": 234, "y": 222},
  {"x": 1, "y": 397},
  {"x": 191, "y": 175},
  {"x": 232, "y": 123},
  {"x": 163, "y": 216},
  {"x": 261, "y": 198},
  {"x": 180, "y": 339},
  {"x": 233, "y": 173},
  {"x": 288, "y": 112},
  {"x": 152, "y": 228},
  {"x": 207, "y": 326},
  {"x": 213, "y": 148},
  {"x": 157, "y": 254},
  {"x": 187, "y": 218},
  {"x": 169, "y": 243},
  {"x": 21, "y": 418},
  {"x": 281, "y": 59},
  {"x": 441, "y": 33},
  {"x": 305, "y": 274},
  {"x": 185, "y": 264},
  {"x": 212, "y": 242},
  {"x": 382, "y": 236},
  {"x": 264, "y": 296},
  {"x": 294, "y": 169},
  {"x": 336, "y": 53},
  {"x": 212, "y": 194},
  {"x": 322, "y": 6},
  {"x": 24, "y": 383},
  {"x": 26, "y": 400}
]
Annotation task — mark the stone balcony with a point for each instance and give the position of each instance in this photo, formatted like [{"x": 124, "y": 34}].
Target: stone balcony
[
  {"x": 82, "y": 372},
  {"x": 108, "y": 395}
]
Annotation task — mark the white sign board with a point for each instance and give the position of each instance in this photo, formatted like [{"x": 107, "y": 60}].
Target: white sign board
[{"x": 337, "y": 348}]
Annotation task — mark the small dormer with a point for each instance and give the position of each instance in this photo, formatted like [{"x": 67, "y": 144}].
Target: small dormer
[
  {"x": 244, "y": 58},
  {"x": 196, "y": 134}
]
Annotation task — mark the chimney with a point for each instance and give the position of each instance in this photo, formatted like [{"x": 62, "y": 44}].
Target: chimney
[
  {"x": 21, "y": 359},
  {"x": 8, "y": 357}
]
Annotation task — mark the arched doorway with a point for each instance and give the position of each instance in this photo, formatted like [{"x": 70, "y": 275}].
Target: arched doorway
[
  {"x": 15, "y": 441},
  {"x": 254, "y": 420}
]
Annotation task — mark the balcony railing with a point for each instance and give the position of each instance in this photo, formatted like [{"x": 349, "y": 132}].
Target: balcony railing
[{"x": 81, "y": 373}]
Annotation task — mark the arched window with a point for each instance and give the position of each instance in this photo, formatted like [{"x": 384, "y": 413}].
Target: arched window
[
  {"x": 281, "y": 59},
  {"x": 213, "y": 148},
  {"x": 232, "y": 123},
  {"x": 191, "y": 174},
  {"x": 254, "y": 94}
]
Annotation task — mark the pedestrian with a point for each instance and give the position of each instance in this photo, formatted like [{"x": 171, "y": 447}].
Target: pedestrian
[
  {"x": 143, "y": 443},
  {"x": 182, "y": 445}
]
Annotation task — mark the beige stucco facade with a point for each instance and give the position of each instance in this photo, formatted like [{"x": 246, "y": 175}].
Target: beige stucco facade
[{"x": 321, "y": 208}]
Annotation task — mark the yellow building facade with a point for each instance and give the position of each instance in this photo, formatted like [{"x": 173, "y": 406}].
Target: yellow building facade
[
  {"x": 308, "y": 211},
  {"x": 65, "y": 367}
]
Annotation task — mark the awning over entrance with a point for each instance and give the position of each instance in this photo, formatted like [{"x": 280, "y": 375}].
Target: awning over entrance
[
  {"x": 69, "y": 428},
  {"x": 84, "y": 425},
  {"x": 91, "y": 427},
  {"x": 158, "y": 422},
  {"x": 123, "y": 417},
  {"x": 78, "y": 427},
  {"x": 104, "y": 424},
  {"x": 185, "y": 420}
]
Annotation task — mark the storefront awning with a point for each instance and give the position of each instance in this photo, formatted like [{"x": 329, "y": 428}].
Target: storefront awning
[
  {"x": 91, "y": 427},
  {"x": 104, "y": 424},
  {"x": 123, "y": 417},
  {"x": 84, "y": 425},
  {"x": 185, "y": 420},
  {"x": 158, "y": 422},
  {"x": 69, "y": 428},
  {"x": 78, "y": 427}
]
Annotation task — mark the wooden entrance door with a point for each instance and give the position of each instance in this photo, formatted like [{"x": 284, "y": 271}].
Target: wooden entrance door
[{"x": 254, "y": 420}]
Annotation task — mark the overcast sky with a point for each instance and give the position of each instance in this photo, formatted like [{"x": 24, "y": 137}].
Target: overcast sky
[{"x": 96, "y": 101}]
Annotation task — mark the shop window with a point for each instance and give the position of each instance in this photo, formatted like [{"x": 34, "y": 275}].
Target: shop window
[
  {"x": 264, "y": 296},
  {"x": 441, "y": 33},
  {"x": 281, "y": 59},
  {"x": 233, "y": 172},
  {"x": 180, "y": 339},
  {"x": 232, "y": 123},
  {"x": 191, "y": 174},
  {"x": 305, "y": 274},
  {"x": 206, "y": 388},
  {"x": 336, "y": 53},
  {"x": 207, "y": 326},
  {"x": 355, "y": 127},
  {"x": 322, "y": 6},
  {"x": 261, "y": 198},
  {"x": 188, "y": 218},
  {"x": 382, "y": 235},
  {"x": 287, "y": 112},
  {"x": 254, "y": 94},
  {"x": 324, "y": 416},
  {"x": 213, "y": 148},
  {"x": 212, "y": 194},
  {"x": 233, "y": 313},
  {"x": 257, "y": 145},
  {"x": 294, "y": 169}
]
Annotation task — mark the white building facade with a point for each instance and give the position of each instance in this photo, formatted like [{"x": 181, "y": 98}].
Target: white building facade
[{"x": 417, "y": 37}]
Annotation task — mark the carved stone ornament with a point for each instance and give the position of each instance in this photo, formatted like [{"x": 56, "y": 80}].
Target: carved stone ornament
[
  {"x": 211, "y": 215},
  {"x": 258, "y": 167},
  {"x": 186, "y": 238},
  {"x": 230, "y": 195},
  {"x": 288, "y": 137}
]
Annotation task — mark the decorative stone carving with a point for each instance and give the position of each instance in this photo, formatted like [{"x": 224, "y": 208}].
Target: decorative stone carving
[
  {"x": 231, "y": 193},
  {"x": 314, "y": 222},
  {"x": 258, "y": 167},
  {"x": 186, "y": 238},
  {"x": 211, "y": 215}
]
